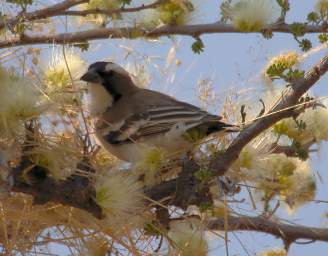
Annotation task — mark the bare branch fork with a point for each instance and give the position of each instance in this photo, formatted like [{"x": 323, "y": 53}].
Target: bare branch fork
[{"x": 284, "y": 108}]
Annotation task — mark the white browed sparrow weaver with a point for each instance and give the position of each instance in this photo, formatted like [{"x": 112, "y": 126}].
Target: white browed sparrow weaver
[{"x": 129, "y": 120}]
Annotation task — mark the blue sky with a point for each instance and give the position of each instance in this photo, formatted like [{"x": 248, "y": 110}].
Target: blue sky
[{"x": 233, "y": 61}]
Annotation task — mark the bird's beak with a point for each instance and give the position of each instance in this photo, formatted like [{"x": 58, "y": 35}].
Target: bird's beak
[{"x": 90, "y": 76}]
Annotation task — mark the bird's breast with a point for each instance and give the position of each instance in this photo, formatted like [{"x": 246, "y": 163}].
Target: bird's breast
[
  {"x": 100, "y": 99},
  {"x": 136, "y": 151}
]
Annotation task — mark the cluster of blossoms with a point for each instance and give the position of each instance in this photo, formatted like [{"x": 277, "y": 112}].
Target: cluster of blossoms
[
  {"x": 61, "y": 77},
  {"x": 309, "y": 126},
  {"x": 276, "y": 175}
]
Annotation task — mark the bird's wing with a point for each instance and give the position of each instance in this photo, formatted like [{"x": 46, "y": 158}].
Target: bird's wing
[{"x": 159, "y": 120}]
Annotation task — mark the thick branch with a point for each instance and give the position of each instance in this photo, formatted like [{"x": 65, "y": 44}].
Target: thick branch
[
  {"x": 77, "y": 191},
  {"x": 133, "y": 32},
  {"x": 284, "y": 108},
  {"x": 287, "y": 232}
]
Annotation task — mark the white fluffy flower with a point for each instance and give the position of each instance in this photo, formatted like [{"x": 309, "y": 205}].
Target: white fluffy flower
[
  {"x": 315, "y": 121},
  {"x": 63, "y": 68},
  {"x": 288, "y": 177},
  {"x": 253, "y": 15},
  {"x": 303, "y": 187},
  {"x": 119, "y": 195},
  {"x": 151, "y": 164},
  {"x": 62, "y": 76},
  {"x": 60, "y": 156},
  {"x": 188, "y": 238},
  {"x": 19, "y": 100}
]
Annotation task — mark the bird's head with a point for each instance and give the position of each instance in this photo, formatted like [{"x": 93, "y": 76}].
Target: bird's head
[{"x": 109, "y": 78}]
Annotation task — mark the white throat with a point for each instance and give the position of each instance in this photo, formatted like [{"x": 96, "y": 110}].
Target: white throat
[{"x": 100, "y": 99}]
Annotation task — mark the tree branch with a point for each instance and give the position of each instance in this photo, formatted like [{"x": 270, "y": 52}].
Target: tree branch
[
  {"x": 113, "y": 11},
  {"x": 287, "y": 232},
  {"x": 50, "y": 11},
  {"x": 134, "y": 32},
  {"x": 76, "y": 191},
  {"x": 283, "y": 109}
]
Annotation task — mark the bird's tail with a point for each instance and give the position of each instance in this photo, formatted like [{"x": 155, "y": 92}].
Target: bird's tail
[{"x": 219, "y": 126}]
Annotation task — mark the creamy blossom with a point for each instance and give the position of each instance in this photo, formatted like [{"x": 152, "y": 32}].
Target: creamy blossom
[
  {"x": 188, "y": 237},
  {"x": 252, "y": 15},
  {"x": 119, "y": 195}
]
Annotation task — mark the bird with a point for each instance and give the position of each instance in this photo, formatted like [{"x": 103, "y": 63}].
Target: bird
[{"x": 129, "y": 120}]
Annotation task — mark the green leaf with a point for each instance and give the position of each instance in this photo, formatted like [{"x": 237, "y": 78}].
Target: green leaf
[
  {"x": 301, "y": 152},
  {"x": 19, "y": 28},
  {"x": 313, "y": 17},
  {"x": 194, "y": 135},
  {"x": 276, "y": 70},
  {"x": 225, "y": 8},
  {"x": 284, "y": 4},
  {"x": 297, "y": 28},
  {"x": 280, "y": 128},
  {"x": 294, "y": 74},
  {"x": 198, "y": 46},
  {"x": 203, "y": 175},
  {"x": 323, "y": 38},
  {"x": 267, "y": 34},
  {"x": 22, "y": 3},
  {"x": 305, "y": 45},
  {"x": 205, "y": 206},
  {"x": 151, "y": 228},
  {"x": 301, "y": 125},
  {"x": 83, "y": 46}
]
